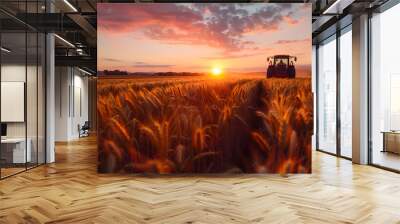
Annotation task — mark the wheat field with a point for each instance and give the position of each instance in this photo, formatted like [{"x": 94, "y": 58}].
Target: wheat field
[{"x": 192, "y": 125}]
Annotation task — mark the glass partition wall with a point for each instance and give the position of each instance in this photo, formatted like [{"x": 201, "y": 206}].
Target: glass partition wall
[
  {"x": 385, "y": 90},
  {"x": 345, "y": 93},
  {"x": 384, "y": 87},
  {"x": 334, "y": 93},
  {"x": 13, "y": 85},
  {"x": 327, "y": 95},
  {"x": 22, "y": 77}
]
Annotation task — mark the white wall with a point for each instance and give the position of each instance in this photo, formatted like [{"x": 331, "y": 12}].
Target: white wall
[
  {"x": 13, "y": 72},
  {"x": 62, "y": 82},
  {"x": 80, "y": 109},
  {"x": 16, "y": 73},
  {"x": 71, "y": 94}
]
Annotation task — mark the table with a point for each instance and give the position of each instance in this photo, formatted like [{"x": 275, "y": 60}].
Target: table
[
  {"x": 391, "y": 141},
  {"x": 13, "y": 150}
]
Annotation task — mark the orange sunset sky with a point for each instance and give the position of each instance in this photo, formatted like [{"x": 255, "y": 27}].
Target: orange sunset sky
[{"x": 194, "y": 37}]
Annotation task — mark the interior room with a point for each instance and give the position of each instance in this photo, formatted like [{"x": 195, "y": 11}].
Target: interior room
[
  {"x": 72, "y": 102},
  {"x": 22, "y": 102},
  {"x": 138, "y": 111}
]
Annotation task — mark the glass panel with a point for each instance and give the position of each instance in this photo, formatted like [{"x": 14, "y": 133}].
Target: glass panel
[
  {"x": 31, "y": 98},
  {"x": 327, "y": 96},
  {"x": 346, "y": 94},
  {"x": 385, "y": 84},
  {"x": 41, "y": 98},
  {"x": 22, "y": 88},
  {"x": 32, "y": 87},
  {"x": 13, "y": 86}
]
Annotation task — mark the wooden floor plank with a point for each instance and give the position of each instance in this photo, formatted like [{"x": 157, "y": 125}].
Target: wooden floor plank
[{"x": 71, "y": 191}]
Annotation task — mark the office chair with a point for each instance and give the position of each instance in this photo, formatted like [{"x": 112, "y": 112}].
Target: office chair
[{"x": 84, "y": 130}]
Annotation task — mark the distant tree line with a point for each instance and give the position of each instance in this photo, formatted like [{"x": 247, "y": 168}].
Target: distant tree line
[
  {"x": 123, "y": 73},
  {"x": 176, "y": 73},
  {"x": 115, "y": 72}
]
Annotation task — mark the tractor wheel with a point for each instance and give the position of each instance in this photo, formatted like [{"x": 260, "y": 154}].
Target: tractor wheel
[
  {"x": 270, "y": 72},
  {"x": 292, "y": 72}
]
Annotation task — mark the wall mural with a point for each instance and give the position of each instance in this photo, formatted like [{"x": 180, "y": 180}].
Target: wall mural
[{"x": 204, "y": 88}]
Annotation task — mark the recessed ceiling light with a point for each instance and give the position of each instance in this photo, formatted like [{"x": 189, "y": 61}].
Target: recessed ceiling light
[
  {"x": 86, "y": 72},
  {"x": 337, "y": 7},
  {"x": 5, "y": 50},
  {"x": 64, "y": 40},
  {"x": 333, "y": 6},
  {"x": 70, "y": 5}
]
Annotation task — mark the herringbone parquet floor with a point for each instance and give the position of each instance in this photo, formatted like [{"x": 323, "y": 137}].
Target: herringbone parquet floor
[{"x": 70, "y": 191}]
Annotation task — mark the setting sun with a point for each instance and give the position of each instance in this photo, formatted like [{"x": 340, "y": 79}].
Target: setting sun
[{"x": 216, "y": 71}]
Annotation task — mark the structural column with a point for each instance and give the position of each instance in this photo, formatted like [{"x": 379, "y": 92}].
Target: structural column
[
  {"x": 360, "y": 89},
  {"x": 50, "y": 92}
]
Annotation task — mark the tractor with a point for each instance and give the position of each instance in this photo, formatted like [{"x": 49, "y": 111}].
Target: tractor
[{"x": 281, "y": 66}]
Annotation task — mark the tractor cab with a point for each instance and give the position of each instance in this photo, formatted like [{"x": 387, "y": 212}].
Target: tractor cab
[{"x": 281, "y": 66}]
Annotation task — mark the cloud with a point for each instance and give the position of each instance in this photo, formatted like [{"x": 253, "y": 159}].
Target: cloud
[
  {"x": 139, "y": 64},
  {"x": 146, "y": 65},
  {"x": 220, "y": 26},
  {"x": 112, "y": 60},
  {"x": 290, "y": 20},
  {"x": 235, "y": 55},
  {"x": 293, "y": 41}
]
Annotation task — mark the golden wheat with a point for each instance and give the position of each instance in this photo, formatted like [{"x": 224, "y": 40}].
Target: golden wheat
[{"x": 193, "y": 126}]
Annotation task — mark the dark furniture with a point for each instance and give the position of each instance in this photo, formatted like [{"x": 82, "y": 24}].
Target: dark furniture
[
  {"x": 3, "y": 129},
  {"x": 84, "y": 130}
]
